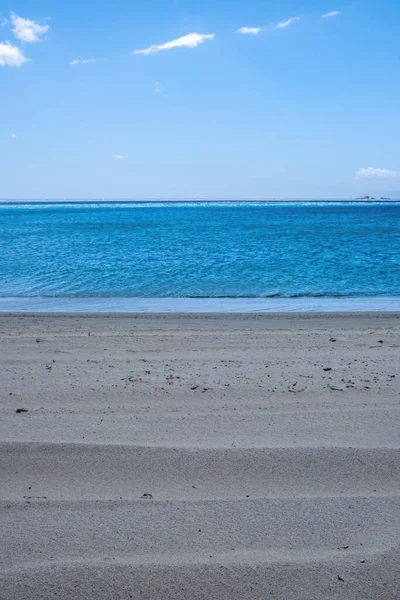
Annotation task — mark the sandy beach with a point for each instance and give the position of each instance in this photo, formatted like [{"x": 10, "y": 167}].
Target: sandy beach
[{"x": 227, "y": 457}]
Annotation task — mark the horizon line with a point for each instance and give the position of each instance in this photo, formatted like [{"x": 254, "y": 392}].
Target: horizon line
[{"x": 197, "y": 198}]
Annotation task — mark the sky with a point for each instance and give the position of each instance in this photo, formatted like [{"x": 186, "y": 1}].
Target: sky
[{"x": 199, "y": 99}]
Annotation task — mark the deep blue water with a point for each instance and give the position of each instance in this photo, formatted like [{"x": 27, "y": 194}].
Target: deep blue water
[{"x": 235, "y": 250}]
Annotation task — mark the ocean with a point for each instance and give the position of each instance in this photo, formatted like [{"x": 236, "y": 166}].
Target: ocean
[{"x": 199, "y": 256}]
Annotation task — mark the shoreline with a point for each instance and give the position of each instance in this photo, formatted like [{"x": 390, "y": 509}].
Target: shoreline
[
  {"x": 206, "y": 315},
  {"x": 117, "y": 305}
]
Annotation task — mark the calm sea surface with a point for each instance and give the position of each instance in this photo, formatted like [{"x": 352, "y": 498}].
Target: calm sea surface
[{"x": 116, "y": 255}]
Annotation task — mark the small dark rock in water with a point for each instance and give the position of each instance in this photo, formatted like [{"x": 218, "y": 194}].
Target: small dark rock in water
[
  {"x": 148, "y": 496},
  {"x": 332, "y": 339},
  {"x": 21, "y": 410}
]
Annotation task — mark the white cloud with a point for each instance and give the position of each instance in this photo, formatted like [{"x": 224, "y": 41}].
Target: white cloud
[
  {"x": 11, "y": 56},
  {"x": 14, "y": 136},
  {"x": 82, "y": 62},
  {"x": 333, "y": 13},
  {"x": 191, "y": 40},
  {"x": 249, "y": 30},
  {"x": 158, "y": 88},
  {"x": 370, "y": 172},
  {"x": 287, "y": 23},
  {"x": 119, "y": 157},
  {"x": 26, "y": 30}
]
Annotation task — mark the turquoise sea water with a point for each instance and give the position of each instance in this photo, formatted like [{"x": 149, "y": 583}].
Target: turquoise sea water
[{"x": 116, "y": 255}]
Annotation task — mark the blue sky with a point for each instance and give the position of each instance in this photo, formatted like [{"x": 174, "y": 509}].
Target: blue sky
[{"x": 301, "y": 108}]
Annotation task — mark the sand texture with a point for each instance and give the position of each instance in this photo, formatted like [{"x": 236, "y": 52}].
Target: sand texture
[{"x": 208, "y": 457}]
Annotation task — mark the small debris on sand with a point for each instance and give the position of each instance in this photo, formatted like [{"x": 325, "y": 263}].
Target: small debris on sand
[
  {"x": 35, "y": 497},
  {"x": 21, "y": 410}
]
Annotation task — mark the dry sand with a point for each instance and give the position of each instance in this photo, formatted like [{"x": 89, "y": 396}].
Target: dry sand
[{"x": 269, "y": 445}]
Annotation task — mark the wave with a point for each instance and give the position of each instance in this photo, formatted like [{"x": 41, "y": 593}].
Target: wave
[{"x": 106, "y": 297}]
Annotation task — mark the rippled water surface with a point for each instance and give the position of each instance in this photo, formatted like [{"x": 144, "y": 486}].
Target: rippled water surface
[{"x": 199, "y": 250}]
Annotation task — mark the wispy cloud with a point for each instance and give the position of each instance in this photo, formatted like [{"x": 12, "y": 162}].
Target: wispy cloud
[
  {"x": 26, "y": 30},
  {"x": 333, "y": 13},
  {"x": 371, "y": 172},
  {"x": 158, "y": 88},
  {"x": 257, "y": 30},
  {"x": 14, "y": 136},
  {"x": 118, "y": 157},
  {"x": 82, "y": 62},
  {"x": 11, "y": 56},
  {"x": 191, "y": 40},
  {"x": 284, "y": 24},
  {"x": 249, "y": 30}
]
